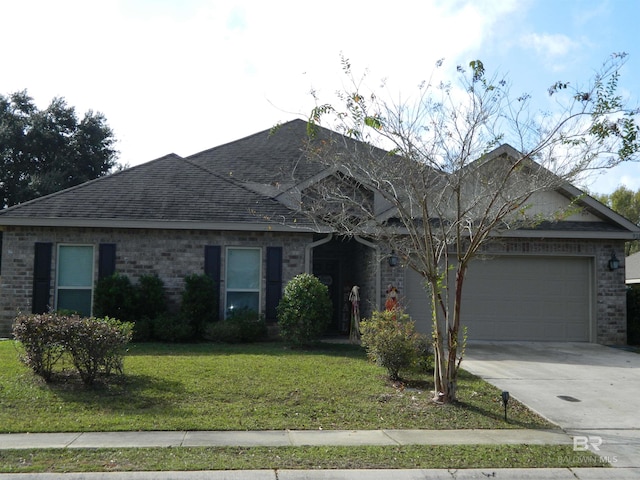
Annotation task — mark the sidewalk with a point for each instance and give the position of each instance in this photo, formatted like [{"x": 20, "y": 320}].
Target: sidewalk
[
  {"x": 475, "y": 474},
  {"x": 281, "y": 438},
  {"x": 306, "y": 437}
]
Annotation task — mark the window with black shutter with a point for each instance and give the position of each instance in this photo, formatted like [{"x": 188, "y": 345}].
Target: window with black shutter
[
  {"x": 212, "y": 266},
  {"x": 40, "y": 301},
  {"x": 274, "y": 282},
  {"x": 106, "y": 260}
]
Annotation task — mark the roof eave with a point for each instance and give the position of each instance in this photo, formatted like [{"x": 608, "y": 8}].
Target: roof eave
[
  {"x": 584, "y": 235},
  {"x": 601, "y": 209},
  {"x": 156, "y": 224}
]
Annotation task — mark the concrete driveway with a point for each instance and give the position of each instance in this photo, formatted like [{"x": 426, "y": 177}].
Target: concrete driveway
[{"x": 590, "y": 391}]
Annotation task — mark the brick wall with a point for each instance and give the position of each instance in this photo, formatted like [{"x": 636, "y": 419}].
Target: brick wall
[{"x": 172, "y": 254}]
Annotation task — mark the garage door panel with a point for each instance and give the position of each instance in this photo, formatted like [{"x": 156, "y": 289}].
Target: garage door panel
[{"x": 531, "y": 298}]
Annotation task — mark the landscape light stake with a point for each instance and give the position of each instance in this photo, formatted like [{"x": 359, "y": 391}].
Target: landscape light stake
[{"x": 505, "y": 400}]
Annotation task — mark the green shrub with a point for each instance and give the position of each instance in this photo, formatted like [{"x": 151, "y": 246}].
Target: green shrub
[
  {"x": 424, "y": 355},
  {"x": 42, "y": 340},
  {"x": 242, "y": 326},
  {"x": 223, "y": 331},
  {"x": 633, "y": 315},
  {"x": 172, "y": 328},
  {"x": 115, "y": 297},
  {"x": 304, "y": 312},
  {"x": 151, "y": 301},
  {"x": 391, "y": 341},
  {"x": 199, "y": 303},
  {"x": 94, "y": 344}
]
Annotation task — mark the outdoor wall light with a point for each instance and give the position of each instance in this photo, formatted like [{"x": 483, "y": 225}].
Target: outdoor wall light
[
  {"x": 505, "y": 400},
  {"x": 393, "y": 259},
  {"x": 614, "y": 263}
]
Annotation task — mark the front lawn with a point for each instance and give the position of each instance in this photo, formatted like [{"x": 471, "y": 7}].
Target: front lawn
[
  {"x": 246, "y": 387},
  {"x": 257, "y": 387}
]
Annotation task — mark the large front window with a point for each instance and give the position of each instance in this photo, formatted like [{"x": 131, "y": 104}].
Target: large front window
[
  {"x": 74, "y": 282},
  {"x": 243, "y": 279}
]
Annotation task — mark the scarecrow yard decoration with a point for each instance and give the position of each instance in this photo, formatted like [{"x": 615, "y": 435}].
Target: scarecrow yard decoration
[
  {"x": 392, "y": 302},
  {"x": 354, "y": 298}
]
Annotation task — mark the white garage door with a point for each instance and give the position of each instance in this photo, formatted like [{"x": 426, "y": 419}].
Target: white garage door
[{"x": 519, "y": 298}]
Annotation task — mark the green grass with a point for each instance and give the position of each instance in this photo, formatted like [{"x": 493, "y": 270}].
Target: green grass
[
  {"x": 258, "y": 387},
  {"x": 248, "y": 387},
  {"x": 235, "y": 458}
]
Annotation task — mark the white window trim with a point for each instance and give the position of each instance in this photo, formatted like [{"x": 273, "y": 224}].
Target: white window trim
[
  {"x": 252, "y": 290},
  {"x": 93, "y": 270}
]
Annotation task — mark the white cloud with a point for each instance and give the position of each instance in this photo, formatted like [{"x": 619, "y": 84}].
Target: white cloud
[
  {"x": 550, "y": 46},
  {"x": 184, "y": 76}
]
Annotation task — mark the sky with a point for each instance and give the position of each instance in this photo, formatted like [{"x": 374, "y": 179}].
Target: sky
[{"x": 182, "y": 76}]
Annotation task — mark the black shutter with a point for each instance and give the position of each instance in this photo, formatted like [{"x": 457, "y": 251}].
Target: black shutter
[
  {"x": 106, "y": 260},
  {"x": 41, "y": 278},
  {"x": 274, "y": 282},
  {"x": 212, "y": 267}
]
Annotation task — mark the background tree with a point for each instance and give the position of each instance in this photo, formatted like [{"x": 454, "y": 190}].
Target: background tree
[
  {"x": 626, "y": 202},
  {"x": 43, "y": 151},
  {"x": 444, "y": 200}
]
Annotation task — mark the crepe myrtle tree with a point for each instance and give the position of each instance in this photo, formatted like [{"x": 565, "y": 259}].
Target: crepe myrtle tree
[{"x": 416, "y": 176}]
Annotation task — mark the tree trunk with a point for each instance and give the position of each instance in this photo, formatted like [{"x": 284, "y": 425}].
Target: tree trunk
[
  {"x": 442, "y": 385},
  {"x": 446, "y": 361}
]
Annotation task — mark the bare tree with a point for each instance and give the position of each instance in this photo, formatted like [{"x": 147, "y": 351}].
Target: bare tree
[{"x": 418, "y": 176}]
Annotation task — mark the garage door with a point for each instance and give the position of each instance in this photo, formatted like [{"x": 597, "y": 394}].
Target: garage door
[{"x": 520, "y": 298}]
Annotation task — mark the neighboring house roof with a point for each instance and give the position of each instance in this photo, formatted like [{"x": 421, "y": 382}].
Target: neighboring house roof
[
  {"x": 248, "y": 184},
  {"x": 632, "y": 268}
]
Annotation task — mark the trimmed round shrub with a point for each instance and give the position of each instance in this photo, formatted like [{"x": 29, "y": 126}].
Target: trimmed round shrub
[
  {"x": 391, "y": 341},
  {"x": 304, "y": 312},
  {"x": 42, "y": 339},
  {"x": 95, "y": 345}
]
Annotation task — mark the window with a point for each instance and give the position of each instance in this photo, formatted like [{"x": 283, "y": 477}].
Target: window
[
  {"x": 243, "y": 278},
  {"x": 74, "y": 281}
]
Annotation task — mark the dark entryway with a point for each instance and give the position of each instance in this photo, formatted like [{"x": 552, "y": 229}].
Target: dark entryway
[{"x": 334, "y": 263}]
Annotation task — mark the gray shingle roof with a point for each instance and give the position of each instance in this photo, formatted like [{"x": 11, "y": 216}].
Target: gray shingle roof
[
  {"x": 233, "y": 186},
  {"x": 205, "y": 187},
  {"x": 271, "y": 157}
]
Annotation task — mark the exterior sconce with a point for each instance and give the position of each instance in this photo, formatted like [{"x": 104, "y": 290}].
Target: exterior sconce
[
  {"x": 393, "y": 259},
  {"x": 614, "y": 263}
]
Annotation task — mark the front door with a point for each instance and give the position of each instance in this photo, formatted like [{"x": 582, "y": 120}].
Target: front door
[{"x": 333, "y": 264}]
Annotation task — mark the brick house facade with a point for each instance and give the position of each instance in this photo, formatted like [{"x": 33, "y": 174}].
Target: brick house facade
[{"x": 179, "y": 216}]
